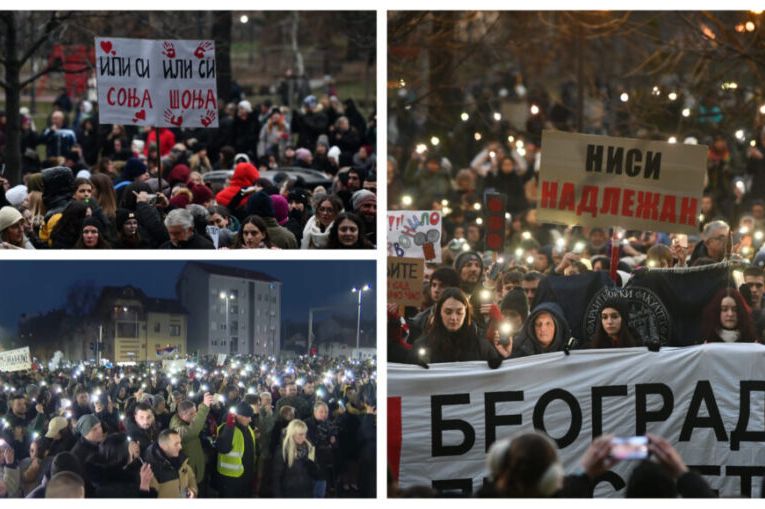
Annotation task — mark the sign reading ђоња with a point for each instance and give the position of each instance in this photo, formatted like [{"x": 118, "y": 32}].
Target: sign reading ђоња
[{"x": 636, "y": 184}]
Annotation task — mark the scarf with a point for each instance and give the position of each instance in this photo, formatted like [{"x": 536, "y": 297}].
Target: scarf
[{"x": 729, "y": 336}]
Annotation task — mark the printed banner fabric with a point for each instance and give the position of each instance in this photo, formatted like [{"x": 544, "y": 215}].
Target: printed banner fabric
[{"x": 707, "y": 400}]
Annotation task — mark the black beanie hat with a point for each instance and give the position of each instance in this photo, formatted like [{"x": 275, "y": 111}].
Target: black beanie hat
[
  {"x": 515, "y": 300},
  {"x": 122, "y": 217},
  {"x": 93, "y": 221},
  {"x": 260, "y": 204}
]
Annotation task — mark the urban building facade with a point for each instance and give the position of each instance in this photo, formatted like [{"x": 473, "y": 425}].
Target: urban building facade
[
  {"x": 134, "y": 327},
  {"x": 231, "y": 310}
]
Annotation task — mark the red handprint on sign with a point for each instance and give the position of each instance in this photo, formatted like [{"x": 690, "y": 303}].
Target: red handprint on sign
[
  {"x": 169, "y": 49},
  {"x": 208, "y": 118},
  {"x": 171, "y": 118},
  {"x": 203, "y": 46}
]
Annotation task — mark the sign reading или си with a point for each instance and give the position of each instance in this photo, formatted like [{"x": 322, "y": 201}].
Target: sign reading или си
[
  {"x": 158, "y": 83},
  {"x": 636, "y": 184}
]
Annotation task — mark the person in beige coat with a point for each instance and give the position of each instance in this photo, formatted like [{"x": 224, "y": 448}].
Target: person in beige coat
[{"x": 173, "y": 476}]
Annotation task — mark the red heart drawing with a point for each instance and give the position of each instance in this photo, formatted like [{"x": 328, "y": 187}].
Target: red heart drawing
[
  {"x": 106, "y": 46},
  {"x": 141, "y": 115}
]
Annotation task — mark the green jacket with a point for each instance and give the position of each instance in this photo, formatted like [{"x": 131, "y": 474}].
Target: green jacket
[{"x": 190, "y": 441}]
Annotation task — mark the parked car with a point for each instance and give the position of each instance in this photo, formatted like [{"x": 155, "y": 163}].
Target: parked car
[{"x": 307, "y": 178}]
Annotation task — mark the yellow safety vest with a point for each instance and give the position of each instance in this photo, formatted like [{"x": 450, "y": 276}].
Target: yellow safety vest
[{"x": 230, "y": 464}]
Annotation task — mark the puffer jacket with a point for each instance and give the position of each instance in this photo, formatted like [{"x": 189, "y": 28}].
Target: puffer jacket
[
  {"x": 526, "y": 344},
  {"x": 245, "y": 174}
]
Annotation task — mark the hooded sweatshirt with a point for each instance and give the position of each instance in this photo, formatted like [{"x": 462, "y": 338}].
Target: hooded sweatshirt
[
  {"x": 526, "y": 344},
  {"x": 245, "y": 175}
]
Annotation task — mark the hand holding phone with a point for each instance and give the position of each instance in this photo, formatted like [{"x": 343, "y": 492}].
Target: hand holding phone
[{"x": 629, "y": 448}]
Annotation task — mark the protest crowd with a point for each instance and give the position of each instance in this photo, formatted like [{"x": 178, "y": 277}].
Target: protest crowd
[
  {"x": 249, "y": 427},
  {"x": 535, "y": 294},
  {"x": 269, "y": 177}
]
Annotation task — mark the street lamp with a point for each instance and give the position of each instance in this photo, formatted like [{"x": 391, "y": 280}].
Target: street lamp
[
  {"x": 358, "y": 314},
  {"x": 226, "y": 298}
]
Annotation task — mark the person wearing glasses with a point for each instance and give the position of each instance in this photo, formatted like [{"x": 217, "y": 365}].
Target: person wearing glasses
[
  {"x": 316, "y": 231},
  {"x": 714, "y": 242}
]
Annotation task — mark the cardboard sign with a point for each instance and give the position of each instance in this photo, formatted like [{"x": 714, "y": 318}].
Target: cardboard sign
[
  {"x": 707, "y": 400},
  {"x": 16, "y": 360},
  {"x": 636, "y": 184},
  {"x": 415, "y": 234},
  {"x": 405, "y": 280},
  {"x": 158, "y": 83}
]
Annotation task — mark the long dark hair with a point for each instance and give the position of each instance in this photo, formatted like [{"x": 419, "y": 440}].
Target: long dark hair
[
  {"x": 260, "y": 224},
  {"x": 113, "y": 451},
  {"x": 626, "y": 338},
  {"x": 710, "y": 324},
  {"x": 361, "y": 241},
  {"x": 446, "y": 344}
]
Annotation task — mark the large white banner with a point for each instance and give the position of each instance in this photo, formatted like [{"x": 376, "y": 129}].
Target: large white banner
[
  {"x": 605, "y": 181},
  {"x": 158, "y": 83},
  {"x": 16, "y": 360},
  {"x": 708, "y": 401}
]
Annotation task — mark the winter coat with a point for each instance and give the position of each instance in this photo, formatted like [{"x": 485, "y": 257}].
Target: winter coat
[
  {"x": 172, "y": 476},
  {"x": 280, "y": 236},
  {"x": 313, "y": 237},
  {"x": 295, "y": 481},
  {"x": 137, "y": 434},
  {"x": 195, "y": 242},
  {"x": 245, "y": 174},
  {"x": 525, "y": 342},
  {"x": 320, "y": 434},
  {"x": 192, "y": 444},
  {"x": 116, "y": 481},
  {"x": 85, "y": 450},
  {"x": 463, "y": 345},
  {"x": 58, "y": 187}
]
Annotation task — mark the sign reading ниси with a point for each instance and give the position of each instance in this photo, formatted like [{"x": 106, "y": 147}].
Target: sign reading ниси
[
  {"x": 159, "y": 83},
  {"x": 636, "y": 184}
]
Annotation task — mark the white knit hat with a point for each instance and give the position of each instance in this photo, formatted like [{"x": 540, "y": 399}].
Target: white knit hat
[
  {"x": 8, "y": 217},
  {"x": 16, "y": 195}
]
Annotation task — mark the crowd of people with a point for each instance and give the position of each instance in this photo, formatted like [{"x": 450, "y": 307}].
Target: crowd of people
[
  {"x": 114, "y": 186},
  {"x": 250, "y": 427},
  {"x": 483, "y": 304},
  {"x": 528, "y": 466}
]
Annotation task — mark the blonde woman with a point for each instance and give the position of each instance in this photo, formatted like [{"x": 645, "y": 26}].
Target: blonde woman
[{"x": 294, "y": 466}]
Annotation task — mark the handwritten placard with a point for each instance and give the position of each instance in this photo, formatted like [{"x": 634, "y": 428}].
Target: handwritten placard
[
  {"x": 415, "y": 234},
  {"x": 158, "y": 83}
]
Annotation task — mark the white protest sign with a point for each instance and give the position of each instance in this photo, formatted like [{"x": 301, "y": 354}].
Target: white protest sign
[
  {"x": 415, "y": 234},
  {"x": 173, "y": 365},
  {"x": 707, "y": 400},
  {"x": 221, "y": 359},
  {"x": 158, "y": 83},
  {"x": 16, "y": 360},
  {"x": 636, "y": 184}
]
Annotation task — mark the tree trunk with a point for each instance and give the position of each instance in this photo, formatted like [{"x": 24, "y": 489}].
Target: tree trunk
[
  {"x": 441, "y": 79},
  {"x": 221, "y": 32},
  {"x": 12, "y": 103}
]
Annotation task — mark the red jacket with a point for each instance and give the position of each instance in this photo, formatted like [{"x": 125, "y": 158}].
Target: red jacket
[{"x": 245, "y": 175}]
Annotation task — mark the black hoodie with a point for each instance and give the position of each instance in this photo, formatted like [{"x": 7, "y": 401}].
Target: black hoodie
[{"x": 526, "y": 344}]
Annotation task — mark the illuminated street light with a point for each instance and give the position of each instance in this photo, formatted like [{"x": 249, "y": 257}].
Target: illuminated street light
[{"x": 360, "y": 291}]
